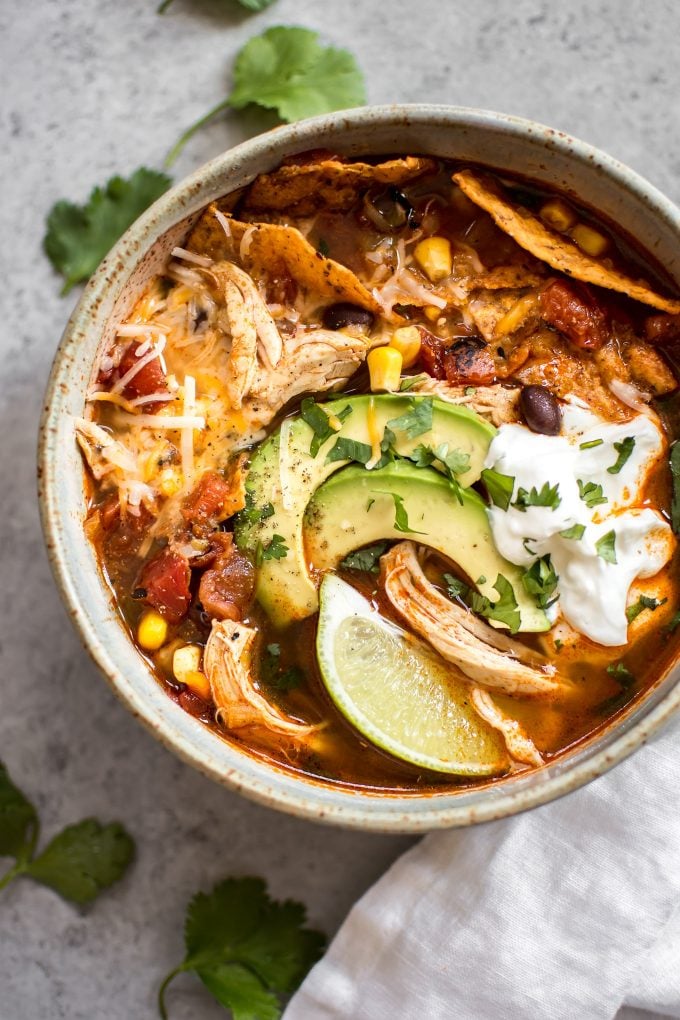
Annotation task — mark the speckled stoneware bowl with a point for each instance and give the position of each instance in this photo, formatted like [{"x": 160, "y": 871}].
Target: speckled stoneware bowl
[{"x": 504, "y": 142}]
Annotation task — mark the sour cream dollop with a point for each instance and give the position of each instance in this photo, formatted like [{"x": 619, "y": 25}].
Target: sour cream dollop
[{"x": 597, "y": 551}]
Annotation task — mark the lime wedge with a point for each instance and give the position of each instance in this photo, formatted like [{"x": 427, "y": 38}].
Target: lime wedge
[{"x": 396, "y": 692}]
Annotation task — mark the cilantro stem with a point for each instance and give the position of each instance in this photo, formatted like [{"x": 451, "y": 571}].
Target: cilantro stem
[
  {"x": 16, "y": 870},
  {"x": 184, "y": 138},
  {"x": 162, "y": 990}
]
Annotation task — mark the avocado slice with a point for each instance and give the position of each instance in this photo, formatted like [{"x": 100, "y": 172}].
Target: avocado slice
[
  {"x": 283, "y": 477},
  {"x": 357, "y": 507}
]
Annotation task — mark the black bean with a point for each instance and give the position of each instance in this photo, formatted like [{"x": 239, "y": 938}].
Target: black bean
[
  {"x": 343, "y": 314},
  {"x": 541, "y": 410}
]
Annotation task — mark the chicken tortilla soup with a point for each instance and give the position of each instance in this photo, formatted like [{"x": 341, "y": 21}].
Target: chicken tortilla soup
[{"x": 381, "y": 472}]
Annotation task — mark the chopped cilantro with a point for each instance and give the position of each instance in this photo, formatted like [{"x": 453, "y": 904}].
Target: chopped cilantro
[
  {"x": 349, "y": 449},
  {"x": 387, "y": 451},
  {"x": 624, "y": 450},
  {"x": 575, "y": 532},
  {"x": 319, "y": 422},
  {"x": 590, "y": 493},
  {"x": 674, "y": 622},
  {"x": 606, "y": 547},
  {"x": 644, "y": 602},
  {"x": 591, "y": 444},
  {"x": 274, "y": 650},
  {"x": 675, "y": 475},
  {"x": 619, "y": 672},
  {"x": 288, "y": 679},
  {"x": 274, "y": 550},
  {"x": 454, "y": 463},
  {"x": 365, "y": 559},
  {"x": 505, "y": 610},
  {"x": 401, "y": 516},
  {"x": 409, "y": 381},
  {"x": 470, "y": 391},
  {"x": 79, "y": 236},
  {"x": 246, "y": 948},
  {"x": 548, "y": 496},
  {"x": 78, "y": 863},
  {"x": 417, "y": 420},
  {"x": 481, "y": 579},
  {"x": 252, "y": 514},
  {"x": 559, "y": 644},
  {"x": 540, "y": 581},
  {"x": 525, "y": 543},
  {"x": 286, "y": 70},
  {"x": 455, "y": 588},
  {"x": 500, "y": 487},
  {"x": 322, "y": 247},
  {"x": 369, "y": 504}
]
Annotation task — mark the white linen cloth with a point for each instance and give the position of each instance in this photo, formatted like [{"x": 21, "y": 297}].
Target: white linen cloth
[{"x": 567, "y": 912}]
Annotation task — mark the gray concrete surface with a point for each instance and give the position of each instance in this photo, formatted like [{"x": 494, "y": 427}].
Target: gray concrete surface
[{"x": 91, "y": 88}]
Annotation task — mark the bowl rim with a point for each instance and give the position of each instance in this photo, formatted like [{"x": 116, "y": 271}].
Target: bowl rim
[{"x": 263, "y": 781}]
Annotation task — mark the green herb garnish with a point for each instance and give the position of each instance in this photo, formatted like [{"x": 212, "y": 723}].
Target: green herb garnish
[
  {"x": 250, "y": 5},
  {"x": 288, "y": 679},
  {"x": 247, "y": 949},
  {"x": 286, "y": 70},
  {"x": 674, "y": 462},
  {"x": 606, "y": 547},
  {"x": 469, "y": 391},
  {"x": 500, "y": 487},
  {"x": 619, "y": 672},
  {"x": 540, "y": 581},
  {"x": 78, "y": 863},
  {"x": 319, "y": 422},
  {"x": 624, "y": 450},
  {"x": 274, "y": 650},
  {"x": 455, "y": 588},
  {"x": 417, "y": 420},
  {"x": 365, "y": 559},
  {"x": 548, "y": 496},
  {"x": 349, "y": 449},
  {"x": 274, "y": 550},
  {"x": 644, "y": 602},
  {"x": 409, "y": 381},
  {"x": 590, "y": 493},
  {"x": 591, "y": 444},
  {"x": 79, "y": 236},
  {"x": 401, "y": 515},
  {"x": 453, "y": 462},
  {"x": 575, "y": 532},
  {"x": 505, "y": 610}
]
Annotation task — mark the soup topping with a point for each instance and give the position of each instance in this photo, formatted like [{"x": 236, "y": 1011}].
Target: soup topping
[{"x": 380, "y": 475}]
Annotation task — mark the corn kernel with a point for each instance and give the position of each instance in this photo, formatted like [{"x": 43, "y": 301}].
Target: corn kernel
[
  {"x": 152, "y": 631},
  {"x": 169, "y": 481},
  {"x": 557, "y": 214},
  {"x": 433, "y": 255},
  {"x": 590, "y": 241},
  {"x": 515, "y": 315},
  {"x": 384, "y": 368},
  {"x": 406, "y": 340},
  {"x": 432, "y": 313}
]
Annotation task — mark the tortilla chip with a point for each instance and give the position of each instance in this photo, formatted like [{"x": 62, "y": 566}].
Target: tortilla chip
[
  {"x": 275, "y": 250},
  {"x": 557, "y": 250},
  {"x": 302, "y": 189}
]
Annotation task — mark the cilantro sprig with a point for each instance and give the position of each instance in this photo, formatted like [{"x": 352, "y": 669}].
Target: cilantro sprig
[
  {"x": 247, "y": 949},
  {"x": 250, "y": 5},
  {"x": 591, "y": 494},
  {"x": 540, "y": 581},
  {"x": 78, "y": 863},
  {"x": 644, "y": 602},
  {"x": 320, "y": 422},
  {"x": 365, "y": 559},
  {"x": 505, "y": 610},
  {"x": 547, "y": 496},
  {"x": 79, "y": 236},
  {"x": 417, "y": 420},
  {"x": 606, "y": 547},
  {"x": 452, "y": 462},
  {"x": 287, "y": 70}
]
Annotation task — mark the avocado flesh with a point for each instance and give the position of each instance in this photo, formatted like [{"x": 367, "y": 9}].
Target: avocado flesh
[
  {"x": 357, "y": 507},
  {"x": 284, "y": 587}
]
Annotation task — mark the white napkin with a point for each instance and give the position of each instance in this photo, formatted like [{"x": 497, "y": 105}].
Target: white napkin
[{"x": 568, "y": 912}]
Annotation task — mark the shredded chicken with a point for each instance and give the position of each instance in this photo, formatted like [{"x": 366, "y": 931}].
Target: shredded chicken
[
  {"x": 519, "y": 745},
  {"x": 226, "y": 661},
  {"x": 489, "y": 658},
  {"x": 496, "y": 403}
]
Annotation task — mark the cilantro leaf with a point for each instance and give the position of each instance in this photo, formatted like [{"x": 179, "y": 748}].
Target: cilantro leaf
[
  {"x": 78, "y": 237},
  {"x": 620, "y": 672},
  {"x": 675, "y": 475},
  {"x": 500, "y": 487},
  {"x": 575, "y": 532},
  {"x": 505, "y": 610},
  {"x": 548, "y": 496},
  {"x": 624, "y": 450},
  {"x": 320, "y": 423},
  {"x": 83, "y": 859},
  {"x": 401, "y": 515},
  {"x": 274, "y": 550},
  {"x": 18, "y": 820},
  {"x": 285, "y": 69},
  {"x": 454, "y": 463},
  {"x": 591, "y": 494},
  {"x": 246, "y": 948},
  {"x": 455, "y": 588},
  {"x": 540, "y": 581},
  {"x": 417, "y": 420},
  {"x": 409, "y": 381},
  {"x": 606, "y": 547},
  {"x": 288, "y": 679},
  {"x": 349, "y": 449},
  {"x": 644, "y": 602},
  {"x": 365, "y": 559}
]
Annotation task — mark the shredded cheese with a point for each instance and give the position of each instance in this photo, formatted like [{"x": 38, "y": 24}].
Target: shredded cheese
[{"x": 187, "y": 441}]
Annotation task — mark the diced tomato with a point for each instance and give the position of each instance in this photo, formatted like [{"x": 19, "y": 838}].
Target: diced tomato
[
  {"x": 166, "y": 580},
  {"x": 204, "y": 506},
  {"x": 150, "y": 379},
  {"x": 432, "y": 349},
  {"x": 573, "y": 309},
  {"x": 227, "y": 586},
  {"x": 469, "y": 363}
]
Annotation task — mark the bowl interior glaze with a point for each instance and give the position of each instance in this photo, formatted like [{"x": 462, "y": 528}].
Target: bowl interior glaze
[{"x": 522, "y": 147}]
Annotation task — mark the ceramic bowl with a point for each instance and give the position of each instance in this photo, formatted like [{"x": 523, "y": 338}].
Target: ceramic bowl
[{"x": 508, "y": 143}]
